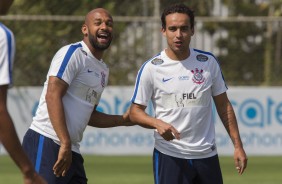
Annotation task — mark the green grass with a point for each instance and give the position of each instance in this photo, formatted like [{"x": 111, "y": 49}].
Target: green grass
[{"x": 138, "y": 170}]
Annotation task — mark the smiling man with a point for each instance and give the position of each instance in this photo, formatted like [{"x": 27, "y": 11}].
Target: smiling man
[
  {"x": 74, "y": 85},
  {"x": 181, "y": 83}
]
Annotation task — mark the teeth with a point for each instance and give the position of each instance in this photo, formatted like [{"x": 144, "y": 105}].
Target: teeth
[{"x": 103, "y": 34}]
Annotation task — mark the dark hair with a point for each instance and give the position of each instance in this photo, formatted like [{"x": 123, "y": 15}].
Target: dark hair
[{"x": 178, "y": 8}]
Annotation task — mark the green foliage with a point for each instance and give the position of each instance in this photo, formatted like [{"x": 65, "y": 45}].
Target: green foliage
[
  {"x": 243, "y": 60},
  {"x": 247, "y": 56}
]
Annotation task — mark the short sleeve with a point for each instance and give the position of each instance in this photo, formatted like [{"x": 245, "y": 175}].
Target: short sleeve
[
  {"x": 218, "y": 83},
  {"x": 7, "y": 52},
  {"x": 65, "y": 63},
  {"x": 144, "y": 85}
]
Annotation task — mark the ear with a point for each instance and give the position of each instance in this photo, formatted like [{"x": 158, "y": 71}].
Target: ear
[
  {"x": 163, "y": 31},
  {"x": 84, "y": 30},
  {"x": 192, "y": 31}
]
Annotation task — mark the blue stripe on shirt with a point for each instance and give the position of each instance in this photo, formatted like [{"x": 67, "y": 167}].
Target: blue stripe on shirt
[
  {"x": 67, "y": 57},
  {"x": 138, "y": 79}
]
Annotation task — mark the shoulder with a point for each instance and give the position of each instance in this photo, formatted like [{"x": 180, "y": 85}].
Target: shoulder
[
  {"x": 154, "y": 61},
  {"x": 71, "y": 48},
  {"x": 68, "y": 51},
  {"x": 4, "y": 28},
  {"x": 203, "y": 56},
  {"x": 5, "y": 32}
]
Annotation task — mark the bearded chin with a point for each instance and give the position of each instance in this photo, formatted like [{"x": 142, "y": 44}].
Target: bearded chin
[{"x": 96, "y": 45}]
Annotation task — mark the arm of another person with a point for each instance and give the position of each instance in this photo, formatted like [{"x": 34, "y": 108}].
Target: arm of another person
[
  {"x": 139, "y": 116},
  {"x": 10, "y": 140},
  {"x": 102, "y": 120},
  {"x": 55, "y": 91},
  {"x": 228, "y": 118}
]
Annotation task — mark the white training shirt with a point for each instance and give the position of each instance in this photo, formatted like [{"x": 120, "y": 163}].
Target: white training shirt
[
  {"x": 7, "y": 53},
  {"x": 87, "y": 78},
  {"x": 181, "y": 93}
]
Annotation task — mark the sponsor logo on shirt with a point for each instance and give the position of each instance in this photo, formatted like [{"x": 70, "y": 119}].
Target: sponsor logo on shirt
[
  {"x": 91, "y": 96},
  {"x": 202, "y": 58},
  {"x": 198, "y": 77},
  {"x": 157, "y": 61},
  {"x": 165, "y": 80},
  {"x": 181, "y": 99},
  {"x": 185, "y": 77}
]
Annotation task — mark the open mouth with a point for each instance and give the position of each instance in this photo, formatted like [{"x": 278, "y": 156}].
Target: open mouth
[
  {"x": 104, "y": 37},
  {"x": 178, "y": 43}
]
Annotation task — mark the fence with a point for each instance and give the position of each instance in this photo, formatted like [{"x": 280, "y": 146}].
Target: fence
[{"x": 248, "y": 48}]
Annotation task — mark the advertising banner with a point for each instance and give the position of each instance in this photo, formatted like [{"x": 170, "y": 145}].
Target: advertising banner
[{"x": 258, "y": 111}]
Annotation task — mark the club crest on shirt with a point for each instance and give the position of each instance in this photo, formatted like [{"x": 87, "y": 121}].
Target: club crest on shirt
[
  {"x": 202, "y": 58},
  {"x": 103, "y": 79},
  {"x": 157, "y": 61},
  {"x": 198, "y": 77}
]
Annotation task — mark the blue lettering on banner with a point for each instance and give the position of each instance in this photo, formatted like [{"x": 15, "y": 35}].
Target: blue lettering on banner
[
  {"x": 34, "y": 108},
  {"x": 254, "y": 113},
  {"x": 251, "y": 112},
  {"x": 117, "y": 139},
  {"x": 252, "y": 139},
  {"x": 119, "y": 107}
]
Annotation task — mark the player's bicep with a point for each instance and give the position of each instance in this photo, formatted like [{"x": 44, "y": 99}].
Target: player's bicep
[{"x": 56, "y": 86}]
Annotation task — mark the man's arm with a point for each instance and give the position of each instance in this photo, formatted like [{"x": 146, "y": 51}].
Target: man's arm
[
  {"x": 55, "y": 91},
  {"x": 139, "y": 116},
  {"x": 102, "y": 120},
  {"x": 228, "y": 118},
  {"x": 10, "y": 140}
]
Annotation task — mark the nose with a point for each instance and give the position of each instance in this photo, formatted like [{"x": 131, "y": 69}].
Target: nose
[
  {"x": 104, "y": 25},
  {"x": 178, "y": 33}
]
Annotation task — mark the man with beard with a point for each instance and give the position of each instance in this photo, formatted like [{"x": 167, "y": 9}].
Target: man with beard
[{"x": 74, "y": 85}]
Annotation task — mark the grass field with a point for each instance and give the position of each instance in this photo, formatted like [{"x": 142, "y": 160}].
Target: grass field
[{"x": 138, "y": 170}]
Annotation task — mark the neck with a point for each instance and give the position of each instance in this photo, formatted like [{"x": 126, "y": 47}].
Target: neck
[
  {"x": 98, "y": 54},
  {"x": 177, "y": 55}
]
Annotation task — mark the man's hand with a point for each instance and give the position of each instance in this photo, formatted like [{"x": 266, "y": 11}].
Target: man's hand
[
  {"x": 240, "y": 159},
  {"x": 64, "y": 161},
  {"x": 167, "y": 131},
  {"x": 126, "y": 120}
]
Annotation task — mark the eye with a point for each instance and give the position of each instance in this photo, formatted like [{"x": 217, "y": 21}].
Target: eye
[
  {"x": 184, "y": 28},
  {"x": 110, "y": 23},
  {"x": 97, "y": 23},
  {"x": 172, "y": 29}
]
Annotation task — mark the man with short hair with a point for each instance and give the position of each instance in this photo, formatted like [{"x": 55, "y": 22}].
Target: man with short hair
[
  {"x": 72, "y": 91},
  {"x": 181, "y": 82}
]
